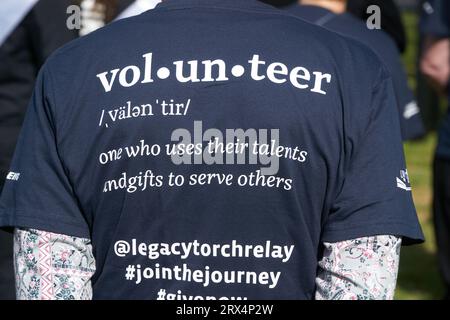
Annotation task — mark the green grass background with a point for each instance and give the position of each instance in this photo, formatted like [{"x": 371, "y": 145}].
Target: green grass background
[{"x": 419, "y": 278}]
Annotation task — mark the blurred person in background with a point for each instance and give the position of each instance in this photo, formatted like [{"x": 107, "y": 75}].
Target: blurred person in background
[
  {"x": 435, "y": 64},
  {"x": 391, "y": 20},
  {"x": 391, "y": 23},
  {"x": 333, "y": 15},
  {"x": 30, "y": 30},
  {"x": 429, "y": 100}
]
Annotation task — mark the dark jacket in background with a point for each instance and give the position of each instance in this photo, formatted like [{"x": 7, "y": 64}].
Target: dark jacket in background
[
  {"x": 379, "y": 41},
  {"x": 22, "y": 54},
  {"x": 42, "y": 31},
  {"x": 391, "y": 20}
]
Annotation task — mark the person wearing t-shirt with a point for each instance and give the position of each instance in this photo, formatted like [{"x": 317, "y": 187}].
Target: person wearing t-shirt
[
  {"x": 333, "y": 16},
  {"x": 233, "y": 152},
  {"x": 30, "y": 30},
  {"x": 435, "y": 64}
]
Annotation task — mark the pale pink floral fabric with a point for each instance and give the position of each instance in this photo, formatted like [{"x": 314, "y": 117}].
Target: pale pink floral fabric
[
  {"x": 359, "y": 269},
  {"x": 52, "y": 266}
]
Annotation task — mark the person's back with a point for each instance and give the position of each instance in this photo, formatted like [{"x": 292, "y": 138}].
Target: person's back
[
  {"x": 125, "y": 138},
  {"x": 345, "y": 24}
]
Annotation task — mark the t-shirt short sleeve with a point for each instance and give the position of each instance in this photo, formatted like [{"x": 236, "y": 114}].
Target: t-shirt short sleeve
[
  {"x": 38, "y": 193},
  {"x": 374, "y": 197}
]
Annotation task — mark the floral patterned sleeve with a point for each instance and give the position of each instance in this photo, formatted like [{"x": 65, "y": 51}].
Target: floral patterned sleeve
[
  {"x": 51, "y": 266},
  {"x": 359, "y": 269}
]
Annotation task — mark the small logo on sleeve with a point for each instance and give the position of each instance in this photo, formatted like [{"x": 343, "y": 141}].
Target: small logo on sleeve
[
  {"x": 13, "y": 176},
  {"x": 428, "y": 8},
  {"x": 411, "y": 109},
  {"x": 403, "y": 181}
]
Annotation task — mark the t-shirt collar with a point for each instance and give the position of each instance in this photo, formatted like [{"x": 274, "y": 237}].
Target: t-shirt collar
[{"x": 243, "y": 4}]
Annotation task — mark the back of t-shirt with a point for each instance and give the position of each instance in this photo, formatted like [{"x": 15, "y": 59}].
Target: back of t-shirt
[{"x": 208, "y": 148}]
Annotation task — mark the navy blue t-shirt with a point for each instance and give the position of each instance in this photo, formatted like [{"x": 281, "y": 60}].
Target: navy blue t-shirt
[
  {"x": 208, "y": 148},
  {"x": 411, "y": 122},
  {"x": 435, "y": 21}
]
